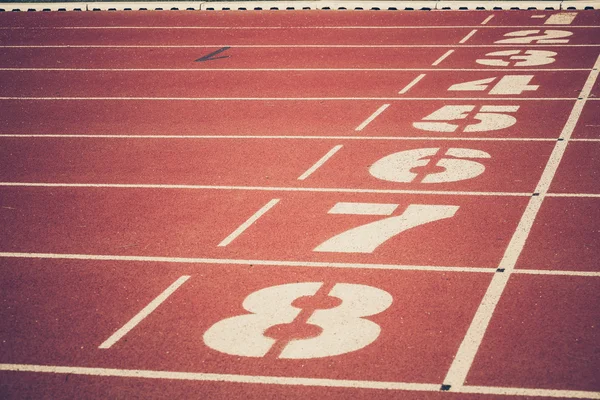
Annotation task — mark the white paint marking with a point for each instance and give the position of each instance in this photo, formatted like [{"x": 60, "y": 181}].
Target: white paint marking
[
  {"x": 271, "y": 137},
  {"x": 363, "y": 208},
  {"x": 248, "y": 222},
  {"x": 538, "y": 16},
  {"x": 281, "y": 263},
  {"x": 372, "y": 117},
  {"x": 411, "y": 84},
  {"x": 591, "y": 195},
  {"x": 564, "y": 18},
  {"x": 139, "y": 317},
  {"x": 287, "y": 98},
  {"x": 291, "y": 381},
  {"x": 350, "y": 46},
  {"x": 257, "y": 188},
  {"x": 470, "y": 345},
  {"x": 319, "y": 163},
  {"x": 226, "y": 28},
  {"x": 469, "y": 36},
  {"x": 488, "y": 19},
  {"x": 443, "y": 57},
  {"x": 226, "y": 70}
]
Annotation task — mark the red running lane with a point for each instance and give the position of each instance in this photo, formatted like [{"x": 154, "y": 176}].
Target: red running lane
[
  {"x": 511, "y": 167},
  {"x": 69, "y": 331},
  {"x": 231, "y": 37},
  {"x": 192, "y": 223},
  {"x": 295, "y": 18},
  {"x": 284, "y": 57},
  {"x": 272, "y": 84},
  {"x": 286, "y": 118},
  {"x": 565, "y": 236},
  {"x": 542, "y": 321}
]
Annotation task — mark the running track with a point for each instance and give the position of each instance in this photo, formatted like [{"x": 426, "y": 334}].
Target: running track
[{"x": 301, "y": 204}]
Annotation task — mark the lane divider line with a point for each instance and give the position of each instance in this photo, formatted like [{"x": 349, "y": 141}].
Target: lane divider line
[
  {"x": 139, "y": 317},
  {"x": 488, "y": 19},
  {"x": 203, "y": 46},
  {"x": 319, "y": 163},
  {"x": 333, "y": 27},
  {"x": 469, "y": 36},
  {"x": 259, "y": 188},
  {"x": 443, "y": 57},
  {"x": 248, "y": 223},
  {"x": 291, "y": 381},
  {"x": 289, "y": 99},
  {"x": 226, "y": 70},
  {"x": 411, "y": 84},
  {"x": 271, "y": 137},
  {"x": 469, "y": 347},
  {"x": 371, "y": 118}
]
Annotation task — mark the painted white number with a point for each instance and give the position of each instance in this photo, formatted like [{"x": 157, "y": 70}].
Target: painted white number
[
  {"x": 529, "y": 58},
  {"x": 343, "y": 328},
  {"x": 532, "y": 36},
  {"x": 397, "y": 167},
  {"x": 492, "y": 118},
  {"x": 366, "y": 238},
  {"x": 509, "y": 84}
]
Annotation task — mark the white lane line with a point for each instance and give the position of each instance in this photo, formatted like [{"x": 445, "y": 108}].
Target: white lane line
[
  {"x": 555, "y": 272},
  {"x": 248, "y": 222},
  {"x": 288, "y": 98},
  {"x": 371, "y": 118},
  {"x": 470, "y": 345},
  {"x": 488, "y": 19},
  {"x": 230, "y": 28},
  {"x": 443, "y": 57},
  {"x": 290, "y": 381},
  {"x": 573, "y": 195},
  {"x": 271, "y": 137},
  {"x": 257, "y": 188},
  {"x": 538, "y": 16},
  {"x": 139, "y": 317},
  {"x": 226, "y": 70},
  {"x": 203, "y": 46},
  {"x": 469, "y": 36},
  {"x": 319, "y": 163},
  {"x": 234, "y": 261},
  {"x": 283, "y": 263},
  {"x": 411, "y": 84}
]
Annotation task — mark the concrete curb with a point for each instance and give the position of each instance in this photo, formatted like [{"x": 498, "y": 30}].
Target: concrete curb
[{"x": 309, "y": 5}]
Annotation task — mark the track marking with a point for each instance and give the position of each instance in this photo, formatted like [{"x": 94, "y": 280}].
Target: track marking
[
  {"x": 292, "y": 69},
  {"x": 248, "y": 222},
  {"x": 371, "y": 118},
  {"x": 290, "y": 381},
  {"x": 270, "y": 137},
  {"x": 257, "y": 188},
  {"x": 291, "y": 98},
  {"x": 538, "y": 16},
  {"x": 285, "y": 263},
  {"x": 470, "y": 345},
  {"x": 319, "y": 163},
  {"x": 196, "y": 46},
  {"x": 139, "y": 317},
  {"x": 573, "y": 194},
  {"x": 232, "y": 28},
  {"x": 443, "y": 57},
  {"x": 411, "y": 84},
  {"x": 469, "y": 36},
  {"x": 563, "y": 18},
  {"x": 488, "y": 19}
]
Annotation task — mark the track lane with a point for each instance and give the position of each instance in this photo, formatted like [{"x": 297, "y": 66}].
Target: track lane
[
  {"x": 512, "y": 166},
  {"x": 278, "y": 57},
  {"x": 248, "y": 118},
  {"x": 270, "y": 84}
]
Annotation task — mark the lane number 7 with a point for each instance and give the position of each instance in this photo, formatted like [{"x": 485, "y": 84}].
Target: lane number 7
[{"x": 366, "y": 238}]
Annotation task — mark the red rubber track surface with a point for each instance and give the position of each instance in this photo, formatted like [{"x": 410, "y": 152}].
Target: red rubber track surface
[{"x": 307, "y": 204}]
